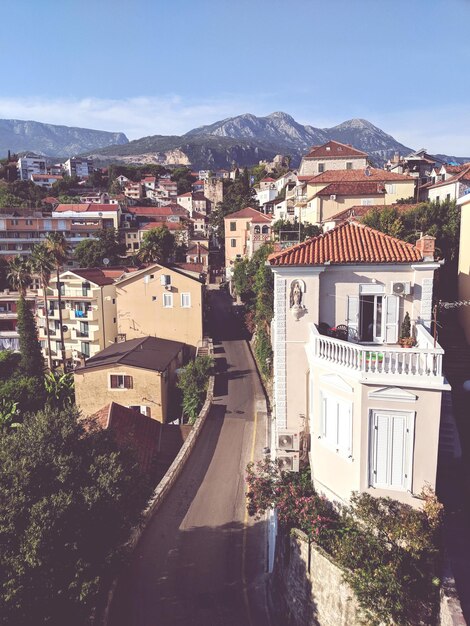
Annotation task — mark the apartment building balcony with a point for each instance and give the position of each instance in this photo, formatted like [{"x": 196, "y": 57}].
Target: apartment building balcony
[
  {"x": 91, "y": 334},
  {"x": 54, "y": 333},
  {"x": 90, "y": 315},
  {"x": 54, "y": 314},
  {"x": 382, "y": 363}
]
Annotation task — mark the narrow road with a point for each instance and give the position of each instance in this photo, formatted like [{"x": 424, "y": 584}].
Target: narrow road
[{"x": 201, "y": 561}]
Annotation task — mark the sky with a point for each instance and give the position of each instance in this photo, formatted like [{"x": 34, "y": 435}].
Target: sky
[{"x": 148, "y": 67}]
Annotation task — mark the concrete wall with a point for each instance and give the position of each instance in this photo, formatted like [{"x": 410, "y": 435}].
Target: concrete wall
[
  {"x": 464, "y": 267},
  {"x": 140, "y": 310},
  {"x": 93, "y": 391},
  {"x": 310, "y": 165},
  {"x": 239, "y": 235}
]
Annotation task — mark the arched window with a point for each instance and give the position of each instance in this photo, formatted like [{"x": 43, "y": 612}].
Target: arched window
[
  {"x": 257, "y": 230},
  {"x": 265, "y": 230}
]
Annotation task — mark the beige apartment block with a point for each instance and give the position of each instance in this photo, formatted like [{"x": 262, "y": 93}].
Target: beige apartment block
[
  {"x": 371, "y": 407},
  {"x": 139, "y": 374},
  {"x": 88, "y": 313},
  {"x": 160, "y": 301},
  {"x": 464, "y": 263},
  {"x": 245, "y": 232},
  {"x": 332, "y": 156}
]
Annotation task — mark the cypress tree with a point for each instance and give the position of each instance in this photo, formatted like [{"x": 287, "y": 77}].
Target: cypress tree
[{"x": 31, "y": 363}]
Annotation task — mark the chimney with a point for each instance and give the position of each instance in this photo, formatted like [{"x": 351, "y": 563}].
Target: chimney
[{"x": 426, "y": 246}]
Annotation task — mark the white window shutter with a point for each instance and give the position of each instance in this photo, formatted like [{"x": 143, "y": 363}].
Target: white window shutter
[
  {"x": 344, "y": 428},
  {"x": 391, "y": 319},
  {"x": 409, "y": 451},
  {"x": 353, "y": 313},
  {"x": 397, "y": 452},
  {"x": 330, "y": 421},
  {"x": 380, "y": 450}
]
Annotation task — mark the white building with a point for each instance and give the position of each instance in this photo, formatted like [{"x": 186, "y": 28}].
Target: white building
[
  {"x": 29, "y": 165},
  {"x": 79, "y": 167}
]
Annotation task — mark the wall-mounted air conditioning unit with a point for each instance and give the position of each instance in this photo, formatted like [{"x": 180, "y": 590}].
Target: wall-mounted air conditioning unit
[
  {"x": 401, "y": 288},
  {"x": 289, "y": 461},
  {"x": 288, "y": 440}
]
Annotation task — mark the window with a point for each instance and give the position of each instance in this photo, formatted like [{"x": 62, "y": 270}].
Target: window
[
  {"x": 85, "y": 288},
  {"x": 389, "y": 188},
  {"x": 448, "y": 197},
  {"x": 145, "y": 410},
  {"x": 349, "y": 165},
  {"x": 120, "y": 381},
  {"x": 257, "y": 230},
  {"x": 233, "y": 243},
  {"x": 265, "y": 230},
  {"x": 391, "y": 449},
  {"x": 367, "y": 201},
  {"x": 167, "y": 300},
  {"x": 336, "y": 425},
  {"x": 185, "y": 300},
  {"x": 85, "y": 348},
  {"x": 321, "y": 168},
  {"x": 83, "y": 329},
  {"x": 233, "y": 226}
]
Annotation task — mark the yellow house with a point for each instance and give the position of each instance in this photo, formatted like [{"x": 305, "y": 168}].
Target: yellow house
[
  {"x": 139, "y": 374},
  {"x": 88, "y": 313},
  {"x": 337, "y": 190},
  {"x": 464, "y": 262},
  {"x": 245, "y": 232},
  {"x": 160, "y": 301}
]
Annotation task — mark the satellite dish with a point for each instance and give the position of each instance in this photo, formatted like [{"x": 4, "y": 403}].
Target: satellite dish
[
  {"x": 65, "y": 328},
  {"x": 105, "y": 261}
]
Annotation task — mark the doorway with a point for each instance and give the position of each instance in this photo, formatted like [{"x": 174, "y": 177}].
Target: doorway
[{"x": 371, "y": 318}]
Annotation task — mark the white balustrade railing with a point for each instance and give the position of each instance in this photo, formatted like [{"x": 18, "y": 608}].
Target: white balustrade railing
[{"x": 422, "y": 362}]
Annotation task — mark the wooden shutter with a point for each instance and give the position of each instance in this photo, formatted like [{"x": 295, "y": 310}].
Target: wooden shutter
[
  {"x": 128, "y": 382},
  {"x": 397, "y": 450},
  {"x": 114, "y": 381},
  {"x": 392, "y": 451},
  {"x": 391, "y": 318},
  {"x": 353, "y": 315}
]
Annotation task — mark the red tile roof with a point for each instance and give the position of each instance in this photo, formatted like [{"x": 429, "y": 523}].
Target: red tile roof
[
  {"x": 463, "y": 176},
  {"x": 159, "y": 224},
  {"x": 85, "y": 207},
  {"x": 198, "y": 216},
  {"x": 169, "y": 209},
  {"x": 249, "y": 212},
  {"x": 268, "y": 180},
  {"x": 358, "y": 211},
  {"x": 348, "y": 243},
  {"x": 101, "y": 275},
  {"x": 353, "y": 189},
  {"x": 334, "y": 150},
  {"x": 130, "y": 428},
  {"x": 185, "y": 195},
  {"x": 365, "y": 174}
]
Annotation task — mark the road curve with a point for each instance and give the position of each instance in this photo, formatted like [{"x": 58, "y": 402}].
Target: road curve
[{"x": 201, "y": 562}]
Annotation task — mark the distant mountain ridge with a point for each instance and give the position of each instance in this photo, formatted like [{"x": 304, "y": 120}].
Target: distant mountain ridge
[{"x": 53, "y": 140}]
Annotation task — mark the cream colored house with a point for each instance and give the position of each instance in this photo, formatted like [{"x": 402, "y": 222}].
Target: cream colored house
[
  {"x": 464, "y": 262},
  {"x": 371, "y": 407},
  {"x": 324, "y": 195},
  {"x": 162, "y": 302},
  {"x": 88, "y": 313},
  {"x": 139, "y": 374},
  {"x": 332, "y": 156},
  {"x": 450, "y": 187},
  {"x": 245, "y": 232}
]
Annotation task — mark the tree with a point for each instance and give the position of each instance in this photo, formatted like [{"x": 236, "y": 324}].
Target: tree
[
  {"x": 305, "y": 230},
  {"x": 57, "y": 246},
  {"x": 60, "y": 389},
  {"x": 158, "y": 245},
  {"x": 193, "y": 381},
  {"x": 31, "y": 361},
  {"x": 43, "y": 265},
  {"x": 19, "y": 274},
  {"x": 107, "y": 245},
  {"x": 69, "y": 498},
  {"x": 183, "y": 178}
]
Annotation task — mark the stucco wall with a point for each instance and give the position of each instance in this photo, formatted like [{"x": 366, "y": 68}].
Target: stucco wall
[
  {"x": 464, "y": 268},
  {"x": 92, "y": 390},
  {"x": 310, "y": 166},
  {"x": 140, "y": 310},
  {"x": 240, "y": 235}
]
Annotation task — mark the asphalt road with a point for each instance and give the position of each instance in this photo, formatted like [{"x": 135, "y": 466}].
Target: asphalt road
[{"x": 201, "y": 561}]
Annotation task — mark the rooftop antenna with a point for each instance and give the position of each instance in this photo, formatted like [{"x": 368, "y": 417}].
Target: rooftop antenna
[{"x": 106, "y": 261}]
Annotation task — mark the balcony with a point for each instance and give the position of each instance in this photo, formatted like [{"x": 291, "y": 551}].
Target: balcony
[
  {"x": 91, "y": 335},
  {"x": 54, "y": 314},
  {"x": 379, "y": 362},
  {"x": 77, "y": 314}
]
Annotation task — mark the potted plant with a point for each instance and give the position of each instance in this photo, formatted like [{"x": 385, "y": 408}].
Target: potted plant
[{"x": 406, "y": 339}]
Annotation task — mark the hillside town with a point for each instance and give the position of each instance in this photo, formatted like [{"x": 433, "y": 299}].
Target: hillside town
[{"x": 301, "y": 334}]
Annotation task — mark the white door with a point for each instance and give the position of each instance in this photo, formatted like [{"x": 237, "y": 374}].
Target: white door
[{"x": 391, "y": 454}]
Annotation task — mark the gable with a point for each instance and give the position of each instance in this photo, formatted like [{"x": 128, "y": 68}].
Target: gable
[{"x": 395, "y": 394}]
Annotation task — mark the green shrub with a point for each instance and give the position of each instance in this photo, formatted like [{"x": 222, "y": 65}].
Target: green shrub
[{"x": 193, "y": 381}]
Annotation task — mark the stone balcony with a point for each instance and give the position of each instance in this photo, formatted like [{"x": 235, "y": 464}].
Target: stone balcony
[{"x": 420, "y": 365}]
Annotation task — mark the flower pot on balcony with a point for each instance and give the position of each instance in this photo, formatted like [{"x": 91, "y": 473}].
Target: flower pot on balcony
[{"x": 407, "y": 342}]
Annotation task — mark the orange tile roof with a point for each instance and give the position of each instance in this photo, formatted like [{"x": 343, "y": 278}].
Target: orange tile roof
[
  {"x": 249, "y": 212},
  {"x": 102, "y": 275},
  {"x": 363, "y": 188},
  {"x": 85, "y": 207},
  {"x": 336, "y": 150},
  {"x": 463, "y": 176},
  {"x": 367, "y": 174},
  {"x": 348, "y": 243},
  {"x": 358, "y": 211}
]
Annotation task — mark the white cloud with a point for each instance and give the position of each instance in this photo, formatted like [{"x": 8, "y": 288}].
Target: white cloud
[{"x": 137, "y": 117}]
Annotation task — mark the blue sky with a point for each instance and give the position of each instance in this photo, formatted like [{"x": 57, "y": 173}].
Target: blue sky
[{"x": 165, "y": 66}]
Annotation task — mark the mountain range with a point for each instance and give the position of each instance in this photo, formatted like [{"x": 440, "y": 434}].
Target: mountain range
[
  {"x": 243, "y": 139},
  {"x": 52, "y": 140}
]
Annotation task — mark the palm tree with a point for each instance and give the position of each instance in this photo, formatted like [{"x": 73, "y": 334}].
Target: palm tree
[
  {"x": 19, "y": 274},
  {"x": 43, "y": 265},
  {"x": 58, "y": 248},
  {"x": 158, "y": 245}
]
